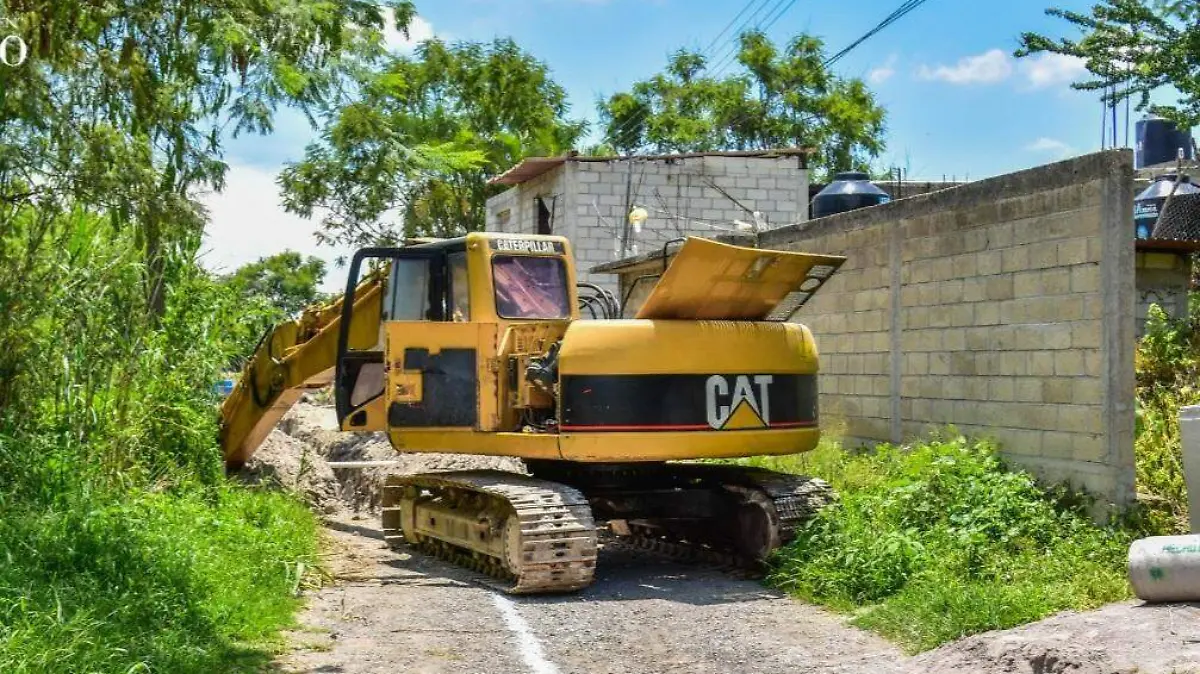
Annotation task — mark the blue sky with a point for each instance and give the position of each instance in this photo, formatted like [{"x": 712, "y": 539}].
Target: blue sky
[{"x": 958, "y": 103}]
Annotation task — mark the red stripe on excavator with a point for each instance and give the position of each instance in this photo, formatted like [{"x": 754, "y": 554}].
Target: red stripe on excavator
[{"x": 683, "y": 427}]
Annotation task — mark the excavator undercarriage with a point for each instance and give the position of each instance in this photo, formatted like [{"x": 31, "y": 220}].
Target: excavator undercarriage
[
  {"x": 531, "y": 535},
  {"x": 541, "y": 535}
]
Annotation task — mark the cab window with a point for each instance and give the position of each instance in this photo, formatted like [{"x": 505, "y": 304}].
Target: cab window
[
  {"x": 408, "y": 290},
  {"x": 530, "y": 287},
  {"x": 460, "y": 296}
]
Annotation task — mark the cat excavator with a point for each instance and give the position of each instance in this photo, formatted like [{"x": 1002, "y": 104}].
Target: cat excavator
[{"x": 477, "y": 345}]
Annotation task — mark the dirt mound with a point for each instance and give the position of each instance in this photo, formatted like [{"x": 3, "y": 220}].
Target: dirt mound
[
  {"x": 284, "y": 462},
  {"x": 1117, "y": 639},
  {"x": 309, "y": 435}
]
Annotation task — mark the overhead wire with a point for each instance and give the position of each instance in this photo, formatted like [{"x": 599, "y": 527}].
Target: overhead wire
[
  {"x": 715, "y": 40},
  {"x": 640, "y": 116},
  {"x": 899, "y": 13},
  {"x": 731, "y": 54}
]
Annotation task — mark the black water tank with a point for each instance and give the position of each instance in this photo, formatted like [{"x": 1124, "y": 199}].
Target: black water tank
[
  {"x": 847, "y": 192},
  {"x": 1149, "y": 203},
  {"x": 1158, "y": 142}
]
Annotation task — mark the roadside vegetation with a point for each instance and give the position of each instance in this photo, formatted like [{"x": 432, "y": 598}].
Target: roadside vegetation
[
  {"x": 1168, "y": 378},
  {"x": 122, "y": 547},
  {"x": 940, "y": 539}
]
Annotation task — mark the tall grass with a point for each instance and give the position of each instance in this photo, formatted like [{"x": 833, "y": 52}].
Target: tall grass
[
  {"x": 121, "y": 547},
  {"x": 939, "y": 540}
]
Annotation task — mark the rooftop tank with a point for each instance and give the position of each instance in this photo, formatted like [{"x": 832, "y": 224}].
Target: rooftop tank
[
  {"x": 1159, "y": 142},
  {"x": 1148, "y": 204},
  {"x": 848, "y": 191}
]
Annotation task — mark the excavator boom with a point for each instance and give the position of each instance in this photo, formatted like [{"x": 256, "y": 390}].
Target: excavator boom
[{"x": 291, "y": 357}]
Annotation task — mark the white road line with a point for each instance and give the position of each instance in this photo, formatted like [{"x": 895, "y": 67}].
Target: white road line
[{"x": 527, "y": 643}]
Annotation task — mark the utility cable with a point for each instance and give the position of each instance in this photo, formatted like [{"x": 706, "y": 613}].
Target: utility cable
[
  {"x": 895, "y": 16},
  {"x": 735, "y": 48},
  {"x": 640, "y": 116},
  {"x": 899, "y": 13}
]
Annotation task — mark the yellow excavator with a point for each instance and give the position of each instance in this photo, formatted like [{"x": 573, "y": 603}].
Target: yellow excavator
[{"x": 476, "y": 345}]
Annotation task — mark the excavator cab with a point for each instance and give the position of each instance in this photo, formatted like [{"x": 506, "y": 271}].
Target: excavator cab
[{"x": 430, "y": 366}]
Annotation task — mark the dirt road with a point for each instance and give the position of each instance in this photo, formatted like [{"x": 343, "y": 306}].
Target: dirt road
[{"x": 394, "y": 612}]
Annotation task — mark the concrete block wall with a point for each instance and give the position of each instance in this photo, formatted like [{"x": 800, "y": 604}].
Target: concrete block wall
[
  {"x": 1004, "y": 307},
  {"x": 684, "y": 196}
]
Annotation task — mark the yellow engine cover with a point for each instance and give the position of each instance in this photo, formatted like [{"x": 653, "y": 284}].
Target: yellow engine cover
[{"x": 653, "y": 390}]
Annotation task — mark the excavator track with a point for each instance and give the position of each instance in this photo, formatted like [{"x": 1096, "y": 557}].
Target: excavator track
[
  {"x": 784, "y": 502},
  {"x": 529, "y": 535}
]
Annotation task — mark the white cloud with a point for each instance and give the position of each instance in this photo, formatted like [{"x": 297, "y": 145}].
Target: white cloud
[
  {"x": 419, "y": 30},
  {"x": 247, "y": 222},
  {"x": 1047, "y": 70},
  {"x": 1051, "y": 146},
  {"x": 884, "y": 72},
  {"x": 989, "y": 67}
]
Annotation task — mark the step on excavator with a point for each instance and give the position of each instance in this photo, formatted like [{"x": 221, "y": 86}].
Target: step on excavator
[{"x": 477, "y": 345}]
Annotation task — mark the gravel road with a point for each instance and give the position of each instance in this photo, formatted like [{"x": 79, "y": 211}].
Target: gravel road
[{"x": 395, "y": 612}]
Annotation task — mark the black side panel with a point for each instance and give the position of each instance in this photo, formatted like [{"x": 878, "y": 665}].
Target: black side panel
[
  {"x": 687, "y": 402},
  {"x": 450, "y": 390}
]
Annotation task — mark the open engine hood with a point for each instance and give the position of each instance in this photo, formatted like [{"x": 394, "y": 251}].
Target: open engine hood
[{"x": 709, "y": 280}]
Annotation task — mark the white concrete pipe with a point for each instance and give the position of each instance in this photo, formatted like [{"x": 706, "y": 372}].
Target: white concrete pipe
[{"x": 1166, "y": 568}]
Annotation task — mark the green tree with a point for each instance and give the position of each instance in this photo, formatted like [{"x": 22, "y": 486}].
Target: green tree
[
  {"x": 776, "y": 98},
  {"x": 1135, "y": 47},
  {"x": 287, "y": 281},
  {"x": 413, "y": 152},
  {"x": 122, "y": 107}
]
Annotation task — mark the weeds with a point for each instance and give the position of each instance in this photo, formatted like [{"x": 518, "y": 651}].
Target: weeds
[{"x": 939, "y": 540}]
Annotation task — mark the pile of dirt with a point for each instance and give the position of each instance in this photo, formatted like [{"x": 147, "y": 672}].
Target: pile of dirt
[
  {"x": 286, "y": 463},
  {"x": 308, "y": 436},
  {"x": 1117, "y": 639}
]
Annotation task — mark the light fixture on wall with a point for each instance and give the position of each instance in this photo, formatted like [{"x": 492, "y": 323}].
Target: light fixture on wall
[{"x": 637, "y": 217}]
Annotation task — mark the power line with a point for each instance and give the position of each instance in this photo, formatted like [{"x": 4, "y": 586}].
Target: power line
[
  {"x": 899, "y": 13},
  {"x": 733, "y": 43},
  {"x": 764, "y": 27},
  {"x": 895, "y": 16},
  {"x": 640, "y": 116},
  {"x": 729, "y": 25}
]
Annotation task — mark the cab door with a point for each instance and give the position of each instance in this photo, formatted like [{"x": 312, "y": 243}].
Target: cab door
[
  {"x": 438, "y": 369},
  {"x": 409, "y": 292}
]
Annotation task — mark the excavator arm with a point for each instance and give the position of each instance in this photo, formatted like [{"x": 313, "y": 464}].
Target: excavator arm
[{"x": 292, "y": 357}]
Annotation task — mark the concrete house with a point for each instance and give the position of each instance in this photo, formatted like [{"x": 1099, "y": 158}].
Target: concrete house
[{"x": 589, "y": 199}]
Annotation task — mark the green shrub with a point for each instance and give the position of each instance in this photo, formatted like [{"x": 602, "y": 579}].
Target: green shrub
[{"x": 938, "y": 540}]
